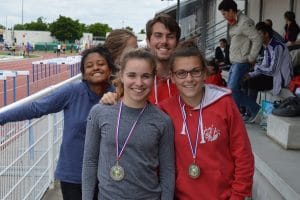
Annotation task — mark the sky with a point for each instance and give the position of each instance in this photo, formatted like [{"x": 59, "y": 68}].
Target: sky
[{"x": 115, "y": 13}]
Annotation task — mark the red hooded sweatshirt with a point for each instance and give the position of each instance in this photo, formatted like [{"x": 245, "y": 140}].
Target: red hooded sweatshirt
[
  {"x": 162, "y": 89},
  {"x": 225, "y": 158}
]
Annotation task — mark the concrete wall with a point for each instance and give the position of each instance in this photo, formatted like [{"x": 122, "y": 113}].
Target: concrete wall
[
  {"x": 38, "y": 36},
  {"x": 274, "y": 10},
  {"x": 27, "y": 36},
  {"x": 253, "y": 10},
  {"x": 297, "y": 10}
]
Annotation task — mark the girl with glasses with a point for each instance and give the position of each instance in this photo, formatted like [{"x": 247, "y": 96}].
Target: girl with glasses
[
  {"x": 213, "y": 153},
  {"x": 129, "y": 146}
]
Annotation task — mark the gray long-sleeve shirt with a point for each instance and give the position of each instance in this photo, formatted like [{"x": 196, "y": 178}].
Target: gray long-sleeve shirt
[{"x": 148, "y": 158}]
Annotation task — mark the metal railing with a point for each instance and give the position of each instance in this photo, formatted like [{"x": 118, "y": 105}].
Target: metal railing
[
  {"x": 29, "y": 151},
  {"x": 208, "y": 37}
]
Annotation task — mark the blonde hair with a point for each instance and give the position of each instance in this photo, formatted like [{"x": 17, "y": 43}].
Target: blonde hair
[
  {"x": 140, "y": 53},
  {"x": 116, "y": 42}
]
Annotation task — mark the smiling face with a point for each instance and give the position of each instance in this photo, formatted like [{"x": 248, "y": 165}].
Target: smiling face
[
  {"x": 162, "y": 42},
  {"x": 190, "y": 87},
  {"x": 96, "y": 69},
  {"x": 137, "y": 78}
]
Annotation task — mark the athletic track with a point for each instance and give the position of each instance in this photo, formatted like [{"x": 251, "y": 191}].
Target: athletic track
[{"x": 21, "y": 81}]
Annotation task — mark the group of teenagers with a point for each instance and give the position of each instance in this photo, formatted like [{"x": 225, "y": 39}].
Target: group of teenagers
[{"x": 142, "y": 124}]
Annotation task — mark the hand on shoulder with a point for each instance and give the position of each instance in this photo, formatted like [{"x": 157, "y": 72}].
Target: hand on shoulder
[{"x": 109, "y": 98}]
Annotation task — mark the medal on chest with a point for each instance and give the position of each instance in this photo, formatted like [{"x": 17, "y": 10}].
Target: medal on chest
[
  {"x": 193, "y": 170},
  {"x": 117, "y": 172}
]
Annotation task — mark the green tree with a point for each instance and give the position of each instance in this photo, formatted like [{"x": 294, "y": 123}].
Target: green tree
[
  {"x": 2, "y": 27},
  {"x": 19, "y": 27},
  {"x": 66, "y": 29},
  {"x": 142, "y": 31},
  {"x": 98, "y": 29},
  {"x": 129, "y": 28},
  {"x": 39, "y": 25}
]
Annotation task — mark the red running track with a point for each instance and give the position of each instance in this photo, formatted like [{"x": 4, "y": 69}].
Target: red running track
[{"x": 44, "y": 80}]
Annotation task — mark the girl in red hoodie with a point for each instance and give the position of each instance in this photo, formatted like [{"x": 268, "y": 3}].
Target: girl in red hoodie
[
  {"x": 214, "y": 160},
  {"x": 214, "y": 75}
]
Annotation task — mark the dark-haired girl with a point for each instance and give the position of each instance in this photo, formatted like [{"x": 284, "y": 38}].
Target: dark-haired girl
[{"x": 75, "y": 100}]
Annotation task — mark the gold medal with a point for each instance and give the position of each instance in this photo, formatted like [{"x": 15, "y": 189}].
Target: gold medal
[
  {"x": 117, "y": 172},
  {"x": 194, "y": 171}
]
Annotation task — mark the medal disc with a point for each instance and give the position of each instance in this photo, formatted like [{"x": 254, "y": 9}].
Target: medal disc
[
  {"x": 117, "y": 172},
  {"x": 194, "y": 171}
]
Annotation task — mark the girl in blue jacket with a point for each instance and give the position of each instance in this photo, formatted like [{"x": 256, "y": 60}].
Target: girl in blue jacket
[{"x": 75, "y": 100}]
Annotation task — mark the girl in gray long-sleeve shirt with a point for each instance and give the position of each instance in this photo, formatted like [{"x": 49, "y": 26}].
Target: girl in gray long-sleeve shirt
[{"x": 129, "y": 146}]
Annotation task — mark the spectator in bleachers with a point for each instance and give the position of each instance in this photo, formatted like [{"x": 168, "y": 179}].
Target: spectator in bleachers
[
  {"x": 275, "y": 71},
  {"x": 214, "y": 75},
  {"x": 291, "y": 28},
  {"x": 244, "y": 48},
  {"x": 276, "y": 35},
  {"x": 222, "y": 53},
  {"x": 118, "y": 41},
  {"x": 75, "y": 100}
]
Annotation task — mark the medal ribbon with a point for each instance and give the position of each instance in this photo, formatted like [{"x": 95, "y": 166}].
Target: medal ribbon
[
  {"x": 200, "y": 126},
  {"x": 118, "y": 155}
]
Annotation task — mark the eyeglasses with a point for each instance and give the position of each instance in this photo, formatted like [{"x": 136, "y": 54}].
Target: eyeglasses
[{"x": 195, "y": 72}]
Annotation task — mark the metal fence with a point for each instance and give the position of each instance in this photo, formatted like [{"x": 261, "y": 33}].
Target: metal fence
[{"x": 29, "y": 150}]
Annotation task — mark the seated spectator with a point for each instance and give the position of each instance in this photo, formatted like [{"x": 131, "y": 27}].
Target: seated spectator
[
  {"x": 222, "y": 53},
  {"x": 295, "y": 56},
  {"x": 275, "y": 71},
  {"x": 291, "y": 28},
  {"x": 276, "y": 35},
  {"x": 214, "y": 75}
]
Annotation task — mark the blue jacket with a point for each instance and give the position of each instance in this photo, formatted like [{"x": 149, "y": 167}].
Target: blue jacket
[
  {"x": 276, "y": 63},
  {"x": 76, "y": 100}
]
